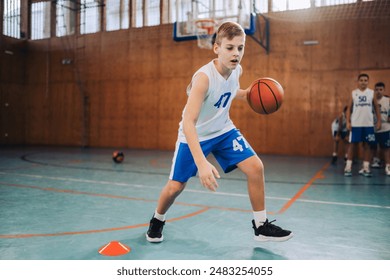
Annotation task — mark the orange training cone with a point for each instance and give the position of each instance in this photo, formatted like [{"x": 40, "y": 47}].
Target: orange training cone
[{"x": 114, "y": 248}]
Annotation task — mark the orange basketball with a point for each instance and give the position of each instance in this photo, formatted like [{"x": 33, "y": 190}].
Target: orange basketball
[{"x": 265, "y": 96}]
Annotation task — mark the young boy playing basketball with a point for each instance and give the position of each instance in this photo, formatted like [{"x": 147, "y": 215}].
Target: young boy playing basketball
[
  {"x": 361, "y": 124},
  {"x": 207, "y": 128}
]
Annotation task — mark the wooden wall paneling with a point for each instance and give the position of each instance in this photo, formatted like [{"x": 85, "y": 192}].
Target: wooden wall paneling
[
  {"x": 337, "y": 47},
  {"x": 36, "y": 115},
  {"x": 121, "y": 104},
  {"x": 12, "y": 125},
  {"x": 37, "y": 68},
  {"x": 114, "y": 56},
  {"x": 145, "y": 106},
  {"x": 88, "y": 57},
  {"x": 297, "y": 106},
  {"x": 60, "y": 70},
  {"x": 39, "y": 109},
  {"x": 107, "y": 68},
  {"x": 322, "y": 101},
  {"x": 11, "y": 66},
  {"x": 12, "y": 90},
  {"x": 65, "y": 111},
  {"x": 176, "y": 61},
  {"x": 170, "y": 106},
  {"x": 96, "y": 103},
  {"x": 288, "y": 62},
  {"x": 113, "y": 114},
  {"x": 379, "y": 76},
  {"x": 374, "y": 43}
]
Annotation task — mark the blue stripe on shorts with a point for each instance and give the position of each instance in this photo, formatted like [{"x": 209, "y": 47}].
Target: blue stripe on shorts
[{"x": 229, "y": 149}]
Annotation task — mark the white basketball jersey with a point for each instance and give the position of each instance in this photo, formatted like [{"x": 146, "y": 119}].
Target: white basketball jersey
[
  {"x": 343, "y": 126},
  {"x": 362, "y": 115},
  {"x": 214, "y": 119},
  {"x": 384, "y": 107}
]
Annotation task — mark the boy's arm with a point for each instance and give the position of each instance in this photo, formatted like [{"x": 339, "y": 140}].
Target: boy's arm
[
  {"x": 348, "y": 113},
  {"x": 207, "y": 172},
  {"x": 378, "y": 113},
  {"x": 242, "y": 94},
  {"x": 340, "y": 129}
]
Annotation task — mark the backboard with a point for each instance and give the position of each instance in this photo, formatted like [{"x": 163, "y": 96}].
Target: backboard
[{"x": 190, "y": 12}]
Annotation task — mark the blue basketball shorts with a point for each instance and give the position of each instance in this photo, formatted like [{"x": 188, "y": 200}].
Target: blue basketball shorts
[
  {"x": 362, "y": 134},
  {"x": 383, "y": 139},
  {"x": 229, "y": 149}
]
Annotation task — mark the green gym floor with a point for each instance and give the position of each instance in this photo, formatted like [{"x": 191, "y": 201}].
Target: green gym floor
[{"x": 66, "y": 203}]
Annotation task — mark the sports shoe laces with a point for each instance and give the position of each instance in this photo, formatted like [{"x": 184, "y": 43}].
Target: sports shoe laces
[
  {"x": 269, "y": 224},
  {"x": 269, "y": 229}
]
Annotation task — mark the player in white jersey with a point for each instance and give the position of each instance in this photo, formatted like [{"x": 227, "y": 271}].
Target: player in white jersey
[
  {"x": 207, "y": 128},
  {"x": 361, "y": 124},
  {"x": 340, "y": 133},
  {"x": 382, "y": 135}
]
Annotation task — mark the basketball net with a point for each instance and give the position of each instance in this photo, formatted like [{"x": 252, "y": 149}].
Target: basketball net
[{"x": 205, "y": 30}]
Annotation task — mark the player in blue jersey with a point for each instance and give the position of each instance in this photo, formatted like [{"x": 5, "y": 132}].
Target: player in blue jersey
[{"x": 207, "y": 128}]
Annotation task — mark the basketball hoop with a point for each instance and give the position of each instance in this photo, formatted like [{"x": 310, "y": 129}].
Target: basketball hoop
[{"x": 205, "y": 29}]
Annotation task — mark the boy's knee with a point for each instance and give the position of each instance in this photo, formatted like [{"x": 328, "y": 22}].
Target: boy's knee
[
  {"x": 175, "y": 188},
  {"x": 256, "y": 168},
  {"x": 259, "y": 166}
]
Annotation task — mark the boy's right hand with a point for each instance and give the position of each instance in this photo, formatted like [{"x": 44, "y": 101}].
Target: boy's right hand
[
  {"x": 349, "y": 127},
  {"x": 207, "y": 176}
]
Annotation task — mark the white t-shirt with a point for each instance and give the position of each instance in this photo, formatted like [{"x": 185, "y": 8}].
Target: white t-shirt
[
  {"x": 362, "y": 115},
  {"x": 214, "y": 119},
  {"x": 384, "y": 108},
  {"x": 336, "y": 125}
]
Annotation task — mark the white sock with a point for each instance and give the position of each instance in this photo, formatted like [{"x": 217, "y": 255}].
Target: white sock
[
  {"x": 366, "y": 165},
  {"x": 348, "y": 164},
  {"x": 260, "y": 217},
  {"x": 158, "y": 216},
  {"x": 334, "y": 154}
]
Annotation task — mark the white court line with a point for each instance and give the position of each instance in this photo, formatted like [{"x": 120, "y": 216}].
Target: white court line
[{"x": 189, "y": 190}]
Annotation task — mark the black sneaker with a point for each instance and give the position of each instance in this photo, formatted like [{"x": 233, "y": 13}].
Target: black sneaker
[
  {"x": 334, "y": 160},
  {"x": 154, "y": 233},
  {"x": 270, "y": 232}
]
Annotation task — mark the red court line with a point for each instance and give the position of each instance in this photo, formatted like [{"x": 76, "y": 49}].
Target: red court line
[
  {"x": 121, "y": 197},
  {"x": 318, "y": 175},
  {"x": 204, "y": 208},
  {"x": 97, "y": 230}
]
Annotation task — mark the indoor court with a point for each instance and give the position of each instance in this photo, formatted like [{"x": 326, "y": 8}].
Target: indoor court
[
  {"x": 80, "y": 79},
  {"x": 66, "y": 203}
]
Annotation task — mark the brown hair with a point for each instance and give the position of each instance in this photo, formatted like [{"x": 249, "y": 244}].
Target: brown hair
[
  {"x": 228, "y": 30},
  {"x": 363, "y": 75}
]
